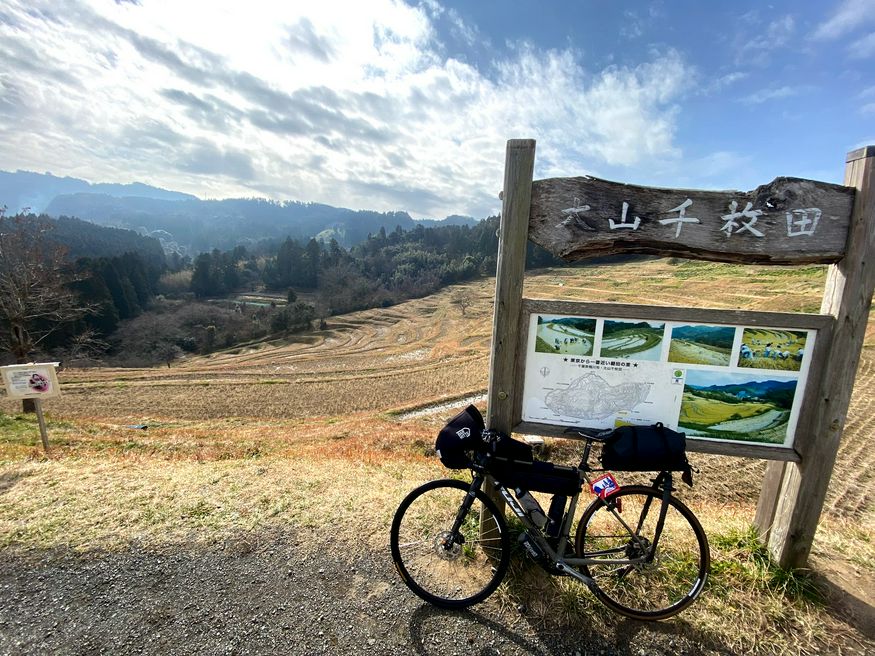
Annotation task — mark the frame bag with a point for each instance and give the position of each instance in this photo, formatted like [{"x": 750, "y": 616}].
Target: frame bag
[{"x": 514, "y": 466}]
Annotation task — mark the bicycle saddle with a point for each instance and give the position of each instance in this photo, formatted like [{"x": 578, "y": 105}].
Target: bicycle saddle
[{"x": 597, "y": 434}]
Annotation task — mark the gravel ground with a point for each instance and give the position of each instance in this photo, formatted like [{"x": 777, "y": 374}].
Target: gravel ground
[{"x": 266, "y": 596}]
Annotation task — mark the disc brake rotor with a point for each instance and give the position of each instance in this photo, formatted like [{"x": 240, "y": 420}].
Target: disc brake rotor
[{"x": 445, "y": 547}]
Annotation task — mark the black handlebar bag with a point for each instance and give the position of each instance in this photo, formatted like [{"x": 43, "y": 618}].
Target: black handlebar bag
[
  {"x": 646, "y": 448},
  {"x": 462, "y": 434}
]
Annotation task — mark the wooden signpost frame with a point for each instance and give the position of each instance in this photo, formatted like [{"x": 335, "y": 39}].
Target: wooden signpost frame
[{"x": 796, "y": 479}]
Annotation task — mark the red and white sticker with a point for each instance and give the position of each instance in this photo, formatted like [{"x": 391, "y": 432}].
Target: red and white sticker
[{"x": 604, "y": 486}]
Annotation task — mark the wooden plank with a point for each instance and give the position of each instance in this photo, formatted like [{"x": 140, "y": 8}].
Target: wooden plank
[
  {"x": 667, "y": 313},
  {"x": 788, "y": 221},
  {"x": 860, "y": 153},
  {"x": 848, "y": 297},
  {"x": 738, "y": 449},
  {"x": 767, "y": 505}
]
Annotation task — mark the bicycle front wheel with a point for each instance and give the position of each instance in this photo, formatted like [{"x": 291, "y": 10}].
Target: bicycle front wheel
[
  {"x": 659, "y": 586},
  {"x": 451, "y": 571}
]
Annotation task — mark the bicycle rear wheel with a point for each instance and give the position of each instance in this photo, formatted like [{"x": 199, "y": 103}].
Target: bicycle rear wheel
[
  {"x": 651, "y": 590},
  {"x": 445, "y": 570}
]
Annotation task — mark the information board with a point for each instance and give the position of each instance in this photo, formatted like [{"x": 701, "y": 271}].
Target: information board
[
  {"x": 712, "y": 381},
  {"x": 31, "y": 381}
]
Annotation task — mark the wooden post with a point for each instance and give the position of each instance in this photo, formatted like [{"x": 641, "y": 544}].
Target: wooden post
[
  {"x": 512, "y": 239},
  {"x": 848, "y": 297},
  {"x": 770, "y": 493},
  {"x": 44, "y": 434}
]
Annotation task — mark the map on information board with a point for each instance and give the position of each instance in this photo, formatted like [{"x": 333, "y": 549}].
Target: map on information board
[{"x": 711, "y": 381}]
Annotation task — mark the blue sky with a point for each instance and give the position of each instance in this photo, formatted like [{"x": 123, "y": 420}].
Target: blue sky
[{"x": 390, "y": 105}]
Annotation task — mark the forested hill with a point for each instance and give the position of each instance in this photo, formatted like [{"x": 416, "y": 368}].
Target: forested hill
[
  {"x": 84, "y": 239},
  {"x": 192, "y": 226}
]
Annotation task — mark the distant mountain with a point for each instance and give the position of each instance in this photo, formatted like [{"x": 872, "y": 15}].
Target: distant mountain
[
  {"x": 193, "y": 225},
  {"x": 183, "y": 223},
  {"x": 26, "y": 189},
  {"x": 779, "y": 392},
  {"x": 721, "y": 336},
  {"x": 759, "y": 388},
  {"x": 84, "y": 239}
]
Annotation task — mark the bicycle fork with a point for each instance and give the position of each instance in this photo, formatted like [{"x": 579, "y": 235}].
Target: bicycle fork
[{"x": 455, "y": 537}]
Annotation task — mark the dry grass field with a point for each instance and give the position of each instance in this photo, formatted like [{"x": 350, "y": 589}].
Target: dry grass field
[{"x": 256, "y": 438}]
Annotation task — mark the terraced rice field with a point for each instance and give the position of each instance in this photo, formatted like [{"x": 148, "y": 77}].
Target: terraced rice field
[
  {"x": 239, "y": 439},
  {"x": 424, "y": 352}
]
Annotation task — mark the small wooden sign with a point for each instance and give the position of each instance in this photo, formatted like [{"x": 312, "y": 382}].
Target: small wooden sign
[
  {"x": 788, "y": 221},
  {"x": 31, "y": 381}
]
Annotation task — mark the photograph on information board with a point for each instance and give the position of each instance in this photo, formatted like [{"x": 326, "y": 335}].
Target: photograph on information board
[
  {"x": 565, "y": 335},
  {"x": 737, "y": 406},
  {"x": 764, "y": 348},
  {"x": 695, "y": 344}
]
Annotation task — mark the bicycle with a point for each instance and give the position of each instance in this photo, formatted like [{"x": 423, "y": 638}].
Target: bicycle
[{"x": 639, "y": 549}]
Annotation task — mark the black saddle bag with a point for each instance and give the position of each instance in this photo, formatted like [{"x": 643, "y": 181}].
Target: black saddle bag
[{"x": 645, "y": 448}]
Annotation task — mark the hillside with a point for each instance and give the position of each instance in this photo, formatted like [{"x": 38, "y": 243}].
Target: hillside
[{"x": 263, "y": 444}]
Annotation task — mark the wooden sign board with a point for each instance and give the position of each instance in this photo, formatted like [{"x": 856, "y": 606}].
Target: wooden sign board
[
  {"x": 789, "y": 221},
  {"x": 31, "y": 381},
  {"x": 735, "y": 382}
]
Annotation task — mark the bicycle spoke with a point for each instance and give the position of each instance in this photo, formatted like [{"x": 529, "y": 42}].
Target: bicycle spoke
[
  {"x": 455, "y": 572},
  {"x": 655, "y": 582}
]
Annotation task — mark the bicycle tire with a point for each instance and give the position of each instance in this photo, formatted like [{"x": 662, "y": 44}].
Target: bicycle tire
[
  {"x": 646, "y": 591},
  {"x": 466, "y": 573}
]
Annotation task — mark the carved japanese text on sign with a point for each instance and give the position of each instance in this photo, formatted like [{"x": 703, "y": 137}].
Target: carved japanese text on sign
[{"x": 787, "y": 221}]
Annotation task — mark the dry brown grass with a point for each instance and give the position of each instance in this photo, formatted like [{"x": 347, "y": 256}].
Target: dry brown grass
[{"x": 303, "y": 433}]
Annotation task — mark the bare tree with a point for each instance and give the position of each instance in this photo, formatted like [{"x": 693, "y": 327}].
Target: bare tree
[
  {"x": 35, "y": 297},
  {"x": 462, "y": 300},
  {"x": 86, "y": 348}
]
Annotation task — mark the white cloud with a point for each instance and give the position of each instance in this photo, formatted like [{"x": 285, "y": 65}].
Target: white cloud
[
  {"x": 348, "y": 103},
  {"x": 718, "y": 84},
  {"x": 849, "y": 15},
  {"x": 765, "y": 95},
  {"x": 755, "y": 48},
  {"x": 863, "y": 48}
]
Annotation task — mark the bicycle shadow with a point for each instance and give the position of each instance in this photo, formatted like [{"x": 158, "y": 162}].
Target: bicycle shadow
[
  {"x": 678, "y": 632},
  {"x": 472, "y": 631}
]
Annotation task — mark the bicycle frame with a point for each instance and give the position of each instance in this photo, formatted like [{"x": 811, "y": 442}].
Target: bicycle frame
[{"x": 555, "y": 555}]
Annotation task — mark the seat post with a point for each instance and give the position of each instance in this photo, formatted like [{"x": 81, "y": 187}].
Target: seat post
[{"x": 584, "y": 461}]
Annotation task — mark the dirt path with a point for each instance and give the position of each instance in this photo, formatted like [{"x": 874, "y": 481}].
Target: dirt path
[{"x": 268, "y": 595}]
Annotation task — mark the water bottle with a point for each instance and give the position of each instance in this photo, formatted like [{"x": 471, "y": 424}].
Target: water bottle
[{"x": 532, "y": 507}]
